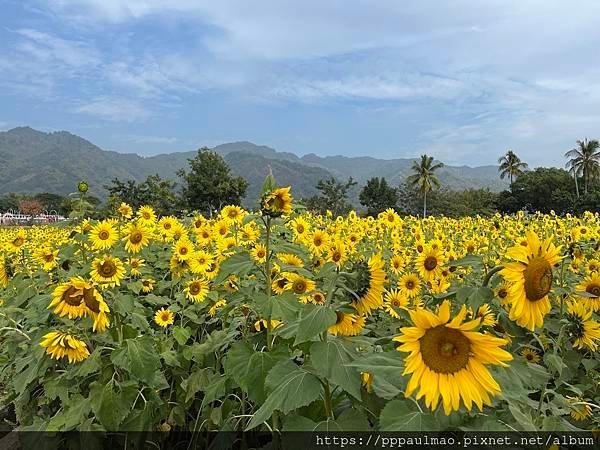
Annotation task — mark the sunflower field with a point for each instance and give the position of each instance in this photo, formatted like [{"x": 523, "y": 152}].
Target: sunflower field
[{"x": 282, "y": 320}]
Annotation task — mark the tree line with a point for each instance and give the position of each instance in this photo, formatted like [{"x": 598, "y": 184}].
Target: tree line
[{"x": 207, "y": 185}]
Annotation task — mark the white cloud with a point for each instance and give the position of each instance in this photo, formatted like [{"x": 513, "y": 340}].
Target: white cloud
[{"x": 114, "y": 109}]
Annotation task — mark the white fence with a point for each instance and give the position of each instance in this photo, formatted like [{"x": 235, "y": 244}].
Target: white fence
[{"x": 17, "y": 218}]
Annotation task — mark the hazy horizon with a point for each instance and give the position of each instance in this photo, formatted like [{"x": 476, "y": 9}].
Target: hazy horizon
[{"x": 462, "y": 82}]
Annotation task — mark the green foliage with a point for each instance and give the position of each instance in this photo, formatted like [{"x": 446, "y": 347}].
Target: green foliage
[
  {"x": 377, "y": 196},
  {"x": 333, "y": 197},
  {"x": 209, "y": 185},
  {"x": 153, "y": 191}
]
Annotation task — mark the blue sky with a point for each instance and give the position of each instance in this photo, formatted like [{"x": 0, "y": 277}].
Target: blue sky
[{"x": 461, "y": 80}]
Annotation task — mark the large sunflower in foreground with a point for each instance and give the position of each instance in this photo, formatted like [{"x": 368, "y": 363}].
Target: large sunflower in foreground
[
  {"x": 368, "y": 284},
  {"x": 59, "y": 344},
  {"x": 591, "y": 285},
  {"x": 529, "y": 280},
  {"x": 447, "y": 359}
]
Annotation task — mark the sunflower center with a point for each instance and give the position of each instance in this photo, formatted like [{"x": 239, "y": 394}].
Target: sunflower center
[
  {"x": 430, "y": 263},
  {"x": 183, "y": 251},
  {"x": 445, "y": 350},
  {"x": 136, "y": 237},
  {"x": 165, "y": 317},
  {"x": 70, "y": 298},
  {"x": 593, "y": 289},
  {"x": 90, "y": 300},
  {"x": 502, "y": 293},
  {"x": 300, "y": 229},
  {"x": 103, "y": 235},
  {"x": 337, "y": 256},
  {"x": 195, "y": 288},
  {"x": 108, "y": 269},
  {"x": 299, "y": 286},
  {"x": 410, "y": 284},
  {"x": 167, "y": 226},
  {"x": 49, "y": 257},
  {"x": 538, "y": 279}
]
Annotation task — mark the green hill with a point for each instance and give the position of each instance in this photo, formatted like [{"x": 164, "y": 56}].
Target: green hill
[{"x": 32, "y": 161}]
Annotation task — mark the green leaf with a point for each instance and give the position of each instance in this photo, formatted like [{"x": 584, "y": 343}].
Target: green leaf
[
  {"x": 332, "y": 359},
  {"x": 71, "y": 415},
  {"x": 292, "y": 387},
  {"x": 109, "y": 406},
  {"x": 139, "y": 358},
  {"x": 524, "y": 420},
  {"x": 403, "y": 415},
  {"x": 196, "y": 382},
  {"x": 474, "y": 261},
  {"x": 181, "y": 334},
  {"x": 239, "y": 264},
  {"x": 383, "y": 363},
  {"x": 349, "y": 420},
  {"x": 314, "y": 320},
  {"x": 555, "y": 362},
  {"x": 90, "y": 365}
]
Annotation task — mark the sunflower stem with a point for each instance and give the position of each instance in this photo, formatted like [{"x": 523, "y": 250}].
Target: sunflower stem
[{"x": 491, "y": 273}]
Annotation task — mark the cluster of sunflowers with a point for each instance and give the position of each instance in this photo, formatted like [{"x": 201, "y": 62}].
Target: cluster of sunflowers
[{"x": 456, "y": 296}]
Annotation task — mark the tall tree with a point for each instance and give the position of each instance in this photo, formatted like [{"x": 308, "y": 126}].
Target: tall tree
[
  {"x": 585, "y": 160},
  {"x": 511, "y": 166},
  {"x": 153, "y": 191},
  {"x": 424, "y": 177},
  {"x": 209, "y": 185},
  {"x": 377, "y": 196},
  {"x": 334, "y": 196}
]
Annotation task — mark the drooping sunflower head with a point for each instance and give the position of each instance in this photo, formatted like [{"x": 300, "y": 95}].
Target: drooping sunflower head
[
  {"x": 583, "y": 329},
  {"x": 591, "y": 285},
  {"x": 448, "y": 357},
  {"x": 347, "y": 324},
  {"x": 76, "y": 298},
  {"x": 59, "y": 344},
  {"x": 278, "y": 202},
  {"x": 580, "y": 410}
]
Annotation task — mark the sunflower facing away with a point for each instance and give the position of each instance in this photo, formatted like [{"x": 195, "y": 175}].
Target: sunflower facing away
[
  {"x": 347, "y": 324},
  {"x": 368, "y": 285},
  {"x": 59, "y": 344},
  {"x": 584, "y": 330},
  {"x": 447, "y": 359},
  {"x": 529, "y": 280}
]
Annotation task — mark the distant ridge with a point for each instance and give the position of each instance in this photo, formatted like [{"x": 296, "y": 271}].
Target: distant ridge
[{"x": 33, "y": 161}]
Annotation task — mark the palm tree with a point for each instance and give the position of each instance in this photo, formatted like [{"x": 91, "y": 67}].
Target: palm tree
[
  {"x": 511, "y": 166},
  {"x": 424, "y": 177},
  {"x": 576, "y": 171},
  {"x": 585, "y": 160}
]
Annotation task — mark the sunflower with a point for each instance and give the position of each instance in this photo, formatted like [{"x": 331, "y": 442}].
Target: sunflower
[
  {"x": 104, "y": 235},
  {"x": 212, "y": 311},
  {"x": 75, "y": 299},
  {"x": 15, "y": 244},
  {"x": 584, "y": 330},
  {"x": 148, "y": 285},
  {"x": 591, "y": 285},
  {"x": 396, "y": 264},
  {"x": 395, "y": 299},
  {"x": 300, "y": 227},
  {"x": 259, "y": 253},
  {"x": 290, "y": 259},
  {"x": 166, "y": 226},
  {"x": 410, "y": 285},
  {"x": 262, "y": 324},
  {"x": 47, "y": 257},
  {"x": 298, "y": 284},
  {"x": 487, "y": 316},
  {"x": 146, "y": 215},
  {"x": 196, "y": 290},
  {"x": 430, "y": 263},
  {"x": 367, "y": 284},
  {"x": 125, "y": 210},
  {"x": 278, "y": 202},
  {"x": 337, "y": 253},
  {"x": 200, "y": 261},
  {"x": 232, "y": 213},
  {"x": 318, "y": 242},
  {"x": 135, "y": 264},
  {"x": 366, "y": 379},
  {"x": 3, "y": 273},
  {"x": 447, "y": 359},
  {"x": 579, "y": 409},
  {"x": 137, "y": 237},
  {"x": 107, "y": 270},
  {"x": 183, "y": 250},
  {"x": 531, "y": 355},
  {"x": 164, "y": 317},
  {"x": 59, "y": 344},
  {"x": 318, "y": 298},
  {"x": 347, "y": 324},
  {"x": 530, "y": 280}
]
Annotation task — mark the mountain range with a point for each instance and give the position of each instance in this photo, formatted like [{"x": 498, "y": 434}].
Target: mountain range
[{"x": 33, "y": 161}]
